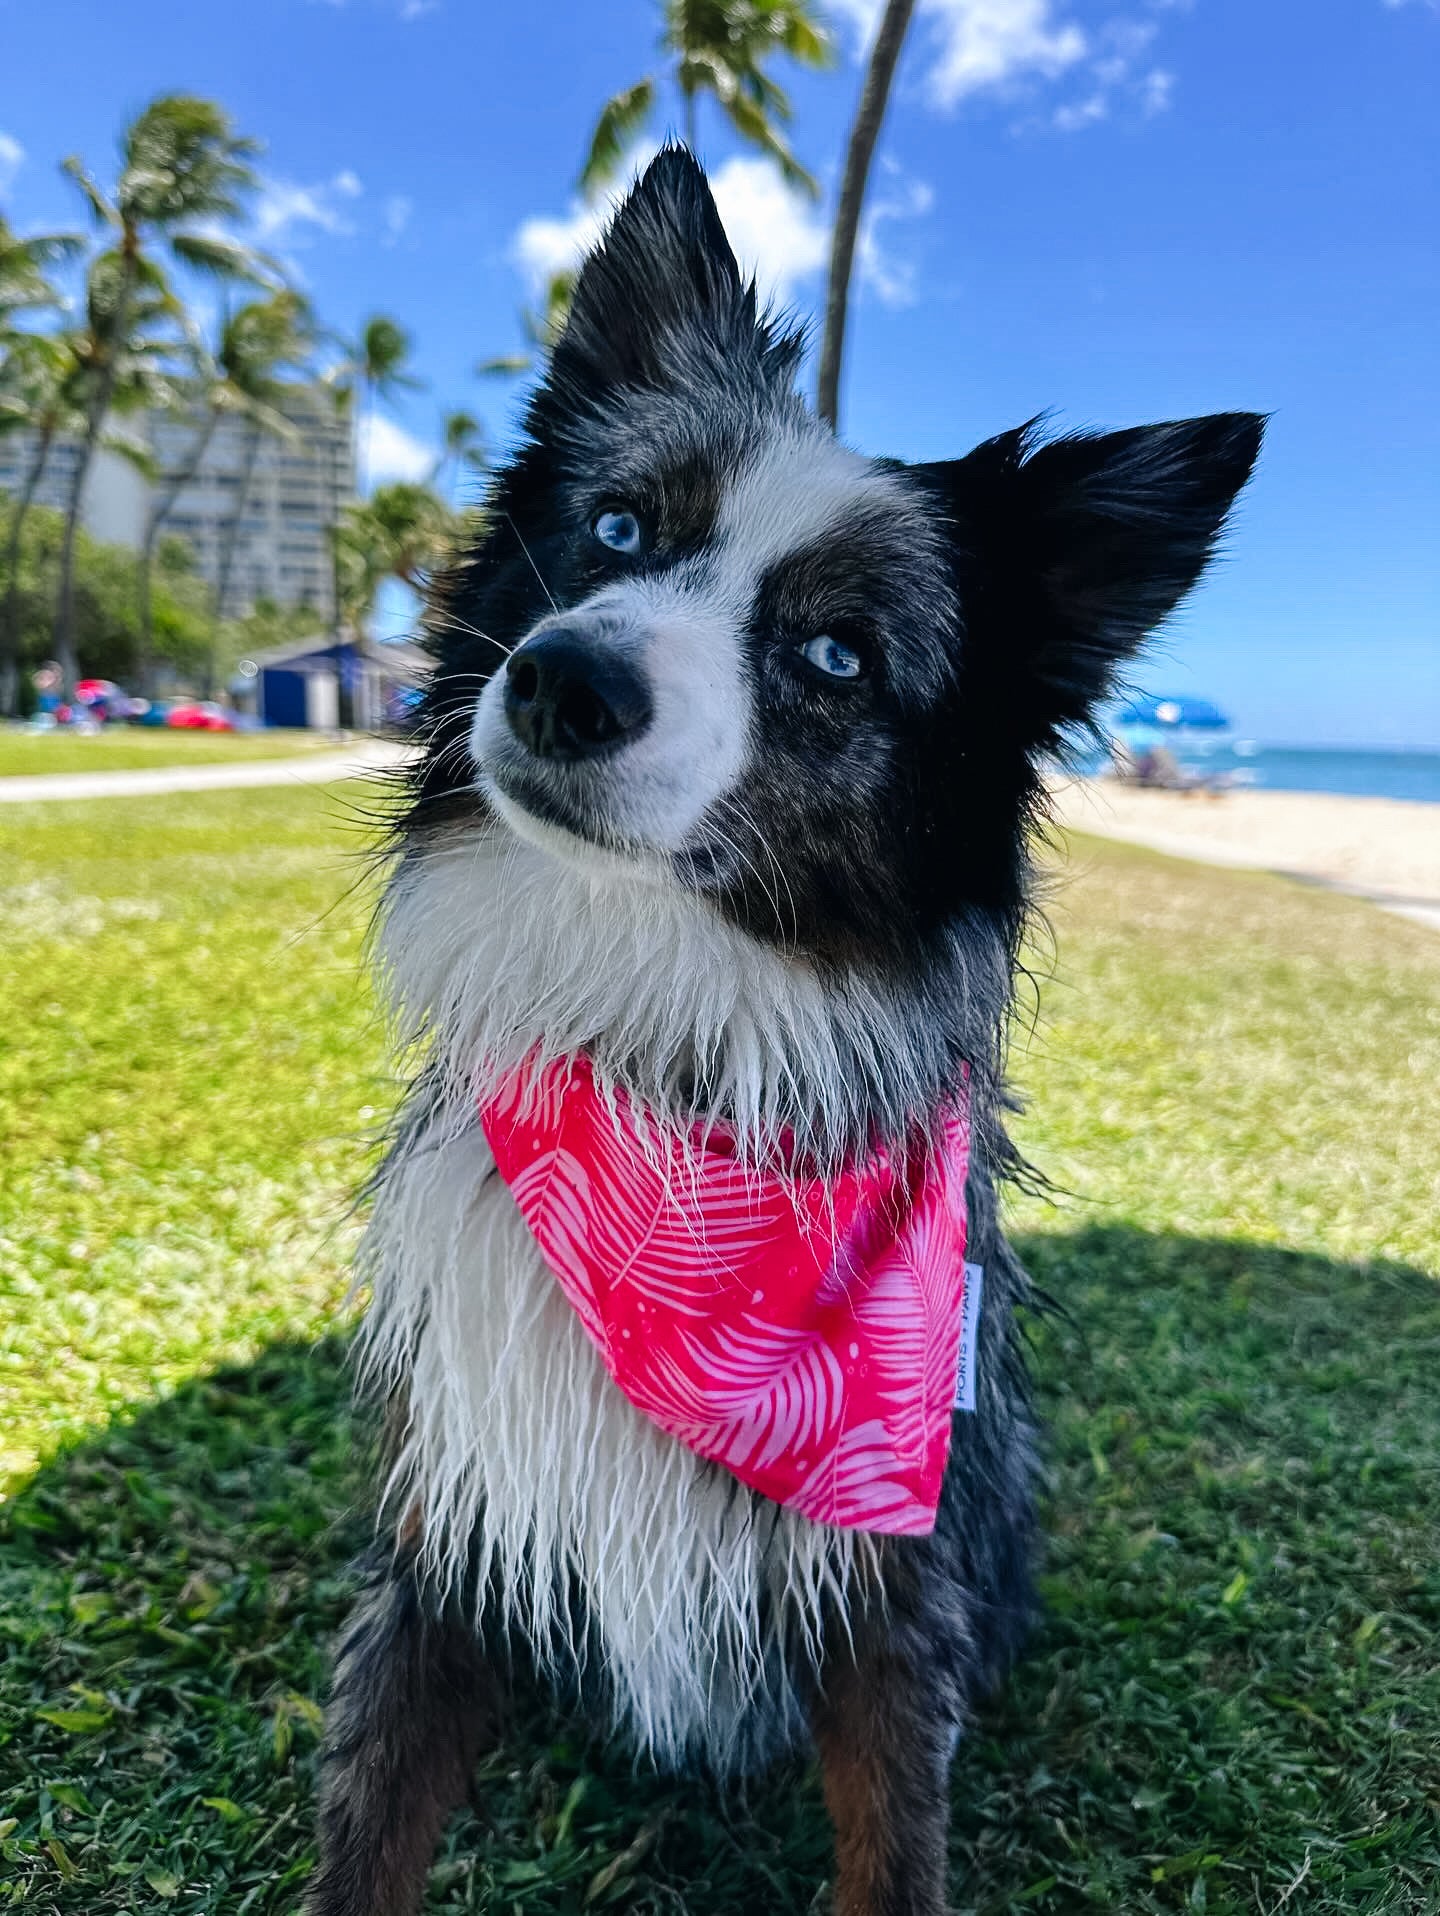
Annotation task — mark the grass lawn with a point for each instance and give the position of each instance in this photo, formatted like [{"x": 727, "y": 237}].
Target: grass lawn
[
  {"x": 130, "y": 748},
  {"x": 1233, "y": 1703}
]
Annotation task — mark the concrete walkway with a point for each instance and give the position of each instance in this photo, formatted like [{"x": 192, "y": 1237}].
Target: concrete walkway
[{"x": 316, "y": 768}]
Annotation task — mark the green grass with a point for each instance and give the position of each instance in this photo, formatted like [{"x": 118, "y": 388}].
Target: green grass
[
  {"x": 129, "y": 748},
  {"x": 1234, "y": 1701}
]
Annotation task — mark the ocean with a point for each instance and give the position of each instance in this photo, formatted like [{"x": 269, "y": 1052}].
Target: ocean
[{"x": 1276, "y": 768}]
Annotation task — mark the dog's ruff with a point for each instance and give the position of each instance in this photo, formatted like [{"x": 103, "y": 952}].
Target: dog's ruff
[{"x": 531, "y": 1473}]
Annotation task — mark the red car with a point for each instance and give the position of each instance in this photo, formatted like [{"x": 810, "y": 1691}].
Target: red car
[{"x": 201, "y": 716}]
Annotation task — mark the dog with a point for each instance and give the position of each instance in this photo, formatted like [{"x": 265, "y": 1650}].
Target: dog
[{"x": 733, "y": 763}]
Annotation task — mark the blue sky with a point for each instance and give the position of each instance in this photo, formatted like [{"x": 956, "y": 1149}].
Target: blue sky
[{"x": 1116, "y": 210}]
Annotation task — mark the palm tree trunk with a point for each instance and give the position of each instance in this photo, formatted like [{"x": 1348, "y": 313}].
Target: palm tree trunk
[
  {"x": 64, "y": 646},
  {"x": 874, "y": 96},
  {"x": 226, "y": 561},
  {"x": 336, "y": 616},
  {"x": 10, "y": 645},
  {"x": 365, "y": 432},
  {"x": 145, "y": 663},
  {"x": 691, "y": 120},
  {"x": 99, "y": 405}
]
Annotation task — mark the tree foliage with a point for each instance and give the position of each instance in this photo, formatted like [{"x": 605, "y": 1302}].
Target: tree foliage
[
  {"x": 107, "y": 607},
  {"x": 720, "y": 50}
]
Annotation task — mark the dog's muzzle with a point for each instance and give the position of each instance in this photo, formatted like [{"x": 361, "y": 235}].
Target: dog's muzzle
[{"x": 571, "y": 694}]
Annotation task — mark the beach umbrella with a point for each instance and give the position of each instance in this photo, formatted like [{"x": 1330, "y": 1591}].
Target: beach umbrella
[{"x": 1170, "y": 714}]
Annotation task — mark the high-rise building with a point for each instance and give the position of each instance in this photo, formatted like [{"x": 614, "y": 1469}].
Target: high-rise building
[
  {"x": 280, "y": 548},
  {"x": 294, "y": 490},
  {"x": 115, "y": 500}
]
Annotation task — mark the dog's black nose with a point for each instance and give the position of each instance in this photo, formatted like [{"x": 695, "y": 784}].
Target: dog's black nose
[{"x": 572, "y": 696}]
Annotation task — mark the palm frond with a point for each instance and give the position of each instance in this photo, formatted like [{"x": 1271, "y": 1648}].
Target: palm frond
[
  {"x": 503, "y": 366},
  {"x": 101, "y": 210},
  {"x": 752, "y": 125},
  {"x": 221, "y": 258},
  {"x": 621, "y": 118}
]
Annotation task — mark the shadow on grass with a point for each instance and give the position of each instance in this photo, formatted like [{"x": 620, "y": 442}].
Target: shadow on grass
[{"x": 1235, "y": 1690}]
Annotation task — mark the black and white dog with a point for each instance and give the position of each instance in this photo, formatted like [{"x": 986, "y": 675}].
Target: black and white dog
[{"x": 733, "y": 759}]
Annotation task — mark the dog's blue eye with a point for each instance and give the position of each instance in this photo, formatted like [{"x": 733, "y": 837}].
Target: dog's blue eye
[
  {"x": 620, "y": 531},
  {"x": 835, "y": 660}
]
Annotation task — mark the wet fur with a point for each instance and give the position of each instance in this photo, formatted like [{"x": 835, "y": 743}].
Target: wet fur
[{"x": 786, "y": 905}]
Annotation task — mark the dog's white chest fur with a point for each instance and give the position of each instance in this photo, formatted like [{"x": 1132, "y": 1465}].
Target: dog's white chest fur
[
  {"x": 529, "y": 1468},
  {"x": 524, "y": 1457}
]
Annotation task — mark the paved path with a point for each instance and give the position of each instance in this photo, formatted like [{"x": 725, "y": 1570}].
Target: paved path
[{"x": 316, "y": 768}]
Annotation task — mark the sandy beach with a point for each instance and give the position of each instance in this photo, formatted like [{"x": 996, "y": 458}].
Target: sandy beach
[{"x": 1383, "y": 849}]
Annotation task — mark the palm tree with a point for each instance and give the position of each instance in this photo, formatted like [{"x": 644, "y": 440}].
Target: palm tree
[
  {"x": 262, "y": 342},
  {"x": 874, "y": 96},
  {"x": 35, "y": 374},
  {"x": 342, "y": 396},
  {"x": 402, "y": 531},
  {"x": 134, "y": 365},
  {"x": 37, "y": 393},
  {"x": 42, "y": 390},
  {"x": 541, "y": 326},
  {"x": 182, "y": 167},
  {"x": 371, "y": 368},
  {"x": 235, "y": 382},
  {"x": 719, "y": 47},
  {"x": 377, "y": 364},
  {"x": 24, "y": 287},
  {"x": 462, "y": 440}
]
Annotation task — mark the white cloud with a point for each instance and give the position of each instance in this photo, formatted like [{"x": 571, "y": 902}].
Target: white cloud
[
  {"x": 778, "y": 235},
  {"x": 1081, "y": 113},
  {"x": 12, "y": 158},
  {"x": 543, "y": 247},
  {"x": 984, "y": 43},
  {"x": 387, "y": 451},
  {"x": 396, "y": 212},
  {"x": 285, "y": 208},
  {"x": 975, "y": 44},
  {"x": 969, "y": 47},
  {"x": 1155, "y": 91},
  {"x": 892, "y": 279},
  {"x": 1118, "y": 76}
]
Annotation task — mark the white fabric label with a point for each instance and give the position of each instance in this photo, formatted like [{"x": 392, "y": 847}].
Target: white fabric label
[{"x": 969, "y": 1330}]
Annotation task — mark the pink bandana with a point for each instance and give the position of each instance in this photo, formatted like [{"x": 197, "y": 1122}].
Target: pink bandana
[{"x": 803, "y": 1333}]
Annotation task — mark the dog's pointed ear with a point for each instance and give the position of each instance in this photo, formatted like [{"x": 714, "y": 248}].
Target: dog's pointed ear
[
  {"x": 661, "y": 295},
  {"x": 1070, "y": 553}
]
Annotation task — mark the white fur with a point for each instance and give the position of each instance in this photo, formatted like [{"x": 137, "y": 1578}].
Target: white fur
[
  {"x": 496, "y": 948},
  {"x": 522, "y": 1456},
  {"x": 792, "y": 491},
  {"x": 519, "y": 1446},
  {"x": 686, "y": 642}
]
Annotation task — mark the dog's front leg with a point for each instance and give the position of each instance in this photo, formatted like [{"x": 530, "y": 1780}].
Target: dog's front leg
[
  {"x": 885, "y": 1734},
  {"x": 411, "y": 1704}
]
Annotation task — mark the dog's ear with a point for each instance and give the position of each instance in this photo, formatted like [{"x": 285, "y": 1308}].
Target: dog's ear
[
  {"x": 661, "y": 297},
  {"x": 1070, "y": 553}
]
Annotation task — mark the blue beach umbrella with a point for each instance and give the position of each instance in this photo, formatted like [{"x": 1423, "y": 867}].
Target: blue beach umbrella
[{"x": 1170, "y": 715}]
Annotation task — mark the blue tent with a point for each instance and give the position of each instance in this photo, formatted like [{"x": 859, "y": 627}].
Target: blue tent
[{"x": 1173, "y": 714}]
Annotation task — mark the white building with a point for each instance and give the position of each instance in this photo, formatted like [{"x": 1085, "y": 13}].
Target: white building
[
  {"x": 295, "y": 491},
  {"x": 116, "y": 497},
  {"x": 296, "y": 488}
]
